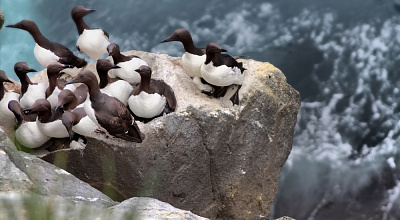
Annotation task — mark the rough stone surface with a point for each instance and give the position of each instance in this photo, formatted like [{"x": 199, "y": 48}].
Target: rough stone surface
[
  {"x": 32, "y": 187},
  {"x": 44, "y": 178},
  {"x": 148, "y": 208},
  {"x": 214, "y": 159}
]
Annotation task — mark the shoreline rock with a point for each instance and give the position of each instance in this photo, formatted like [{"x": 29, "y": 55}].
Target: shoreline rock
[{"x": 209, "y": 157}]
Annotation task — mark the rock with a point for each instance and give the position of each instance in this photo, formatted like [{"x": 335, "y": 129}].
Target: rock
[
  {"x": 31, "y": 174},
  {"x": 214, "y": 159},
  {"x": 148, "y": 208},
  {"x": 1, "y": 19},
  {"x": 32, "y": 187}
]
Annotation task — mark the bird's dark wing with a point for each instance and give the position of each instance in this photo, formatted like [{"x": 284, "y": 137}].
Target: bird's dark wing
[{"x": 160, "y": 87}]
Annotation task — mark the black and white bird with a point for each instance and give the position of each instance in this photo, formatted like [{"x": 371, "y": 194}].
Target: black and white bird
[
  {"x": 108, "y": 112},
  {"x": 192, "y": 59},
  {"x": 222, "y": 69},
  {"x": 7, "y": 119},
  {"x": 74, "y": 117},
  {"x": 151, "y": 97},
  {"x": 56, "y": 85},
  {"x": 47, "y": 52},
  {"x": 115, "y": 87},
  {"x": 128, "y": 64},
  {"x": 48, "y": 120},
  {"x": 30, "y": 92},
  {"x": 92, "y": 41},
  {"x": 27, "y": 133}
]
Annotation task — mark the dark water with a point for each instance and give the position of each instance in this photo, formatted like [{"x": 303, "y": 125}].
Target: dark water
[{"x": 343, "y": 57}]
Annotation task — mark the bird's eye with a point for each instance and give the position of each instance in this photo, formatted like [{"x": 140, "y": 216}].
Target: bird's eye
[
  {"x": 19, "y": 68},
  {"x": 81, "y": 76}
]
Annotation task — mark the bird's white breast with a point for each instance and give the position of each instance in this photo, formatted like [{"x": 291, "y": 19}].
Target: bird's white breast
[
  {"x": 29, "y": 135},
  {"x": 7, "y": 118},
  {"x": 53, "y": 129},
  {"x": 93, "y": 43},
  {"x": 192, "y": 63},
  {"x": 85, "y": 126},
  {"x": 127, "y": 71},
  {"x": 221, "y": 75},
  {"x": 90, "y": 111},
  {"x": 44, "y": 56},
  {"x": 120, "y": 89},
  {"x": 147, "y": 105},
  {"x": 33, "y": 93}
]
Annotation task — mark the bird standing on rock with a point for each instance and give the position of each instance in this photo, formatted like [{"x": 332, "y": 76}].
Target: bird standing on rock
[
  {"x": 92, "y": 42},
  {"x": 115, "y": 87},
  {"x": 56, "y": 85},
  {"x": 192, "y": 59},
  {"x": 30, "y": 92},
  {"x": 222, "y": 69},
  {"x": 128, "y": 64},
  {"x": 47, "y": 52},
  {"x": 28, "y": 134},
  {"x": 48, "y": 120},
  {"x": 7, "y": 119},
  {"x": 151, "y": 97},
  {"x": 108, "y": 112}
]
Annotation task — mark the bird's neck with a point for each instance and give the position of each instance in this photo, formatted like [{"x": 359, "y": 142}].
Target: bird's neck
[
  {"x": 2, "y": 90},
  {"x": 25, "y": 82},
  {"x": 81, "y": 25}
]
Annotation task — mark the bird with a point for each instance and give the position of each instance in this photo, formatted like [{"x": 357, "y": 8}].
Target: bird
[
  {"x": 151, "y": 97},
  {"x": 108, "y": 112},
  {"x": 56, "y": 85},
  {"x": 48, "y": 120},
  {"x": 68, "y": 100},
  {"x": 76, "y": 121},
  {"x": 74, "y": 118},
  {"x": 115, "y": 87},
  {"x": 128, "y": 64},
  {"x": 47, "y": 52},
  {"x": 92, "y": 42},
  {"x": 192, "y": 59},
  {"x": 27, "y": 133},
  {"x": 222, "y": 69},
  {"x": 30, "y": 92},
  {"x": 7, "y": 119}
]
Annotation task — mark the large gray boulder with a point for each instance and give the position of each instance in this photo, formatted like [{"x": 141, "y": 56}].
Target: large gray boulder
[
  {"x": 32, "y": 187},
  {"x": 209, "y": 157}
]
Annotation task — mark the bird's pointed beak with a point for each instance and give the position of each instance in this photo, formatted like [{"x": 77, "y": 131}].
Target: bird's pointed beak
[
  {"x": 166, "y": 40},
  {"x": 137, "y": 70},
  {"x": 115, "y": 67},
  {"x": 11, "y": 26},
  {"x": 32, "y": 70},
  {"x": 58, "y": 107},
  {"x": 110, "y": 53},
  {"x": 223, "y": 50},
  {"x": 91, "y": 10},
  {"x": 71, "y": 82}
]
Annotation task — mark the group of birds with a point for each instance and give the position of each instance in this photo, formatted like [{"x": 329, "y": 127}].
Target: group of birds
[{"x": 101, "y": 103}]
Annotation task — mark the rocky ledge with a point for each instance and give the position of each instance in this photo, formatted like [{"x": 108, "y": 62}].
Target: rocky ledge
[{"x": 214, "y": 159}]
